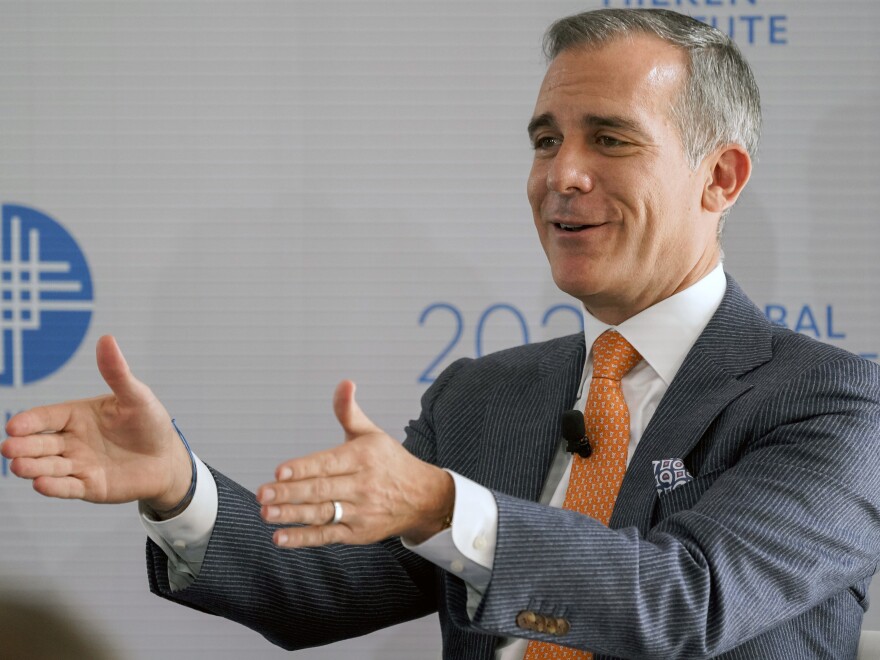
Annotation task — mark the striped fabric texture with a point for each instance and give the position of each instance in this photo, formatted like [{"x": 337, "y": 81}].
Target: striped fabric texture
[
  {"x": 766, "y": 553},
  {"x": 595, "y": 481}
]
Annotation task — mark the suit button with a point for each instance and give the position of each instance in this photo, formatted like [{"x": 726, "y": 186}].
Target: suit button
[
  {"x": 541, "y": 623},
  {"x": 562, "y": 626},
  {"x": 526, "y": 620}
]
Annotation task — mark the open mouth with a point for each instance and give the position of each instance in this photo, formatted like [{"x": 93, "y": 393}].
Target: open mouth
[{"x": 572, "y": 228}]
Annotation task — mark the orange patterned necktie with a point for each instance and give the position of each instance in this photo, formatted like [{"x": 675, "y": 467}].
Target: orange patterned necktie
[{"x": 595, "y": 481}]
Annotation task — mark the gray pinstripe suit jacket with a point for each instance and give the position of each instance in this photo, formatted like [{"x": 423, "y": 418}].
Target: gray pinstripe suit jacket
[{"x": 767, "y": 553}]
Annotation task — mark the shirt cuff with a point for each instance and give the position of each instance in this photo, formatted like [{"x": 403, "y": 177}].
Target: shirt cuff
[
  {"x": 467, "y": 549},
  {"x": 185, "y": 537}
]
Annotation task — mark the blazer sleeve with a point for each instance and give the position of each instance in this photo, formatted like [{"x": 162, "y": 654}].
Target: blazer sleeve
[
  {"x": 792, "y": 520},
  {"x": 297, "y": 598},
  {"x": 308, "y": 596}
]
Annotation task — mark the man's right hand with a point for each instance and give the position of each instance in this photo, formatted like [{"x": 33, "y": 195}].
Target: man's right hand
[{"x": 116, "y": 448}]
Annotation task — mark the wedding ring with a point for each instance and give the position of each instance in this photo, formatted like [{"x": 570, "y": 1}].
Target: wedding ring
[{"x": 337, "y": 513}]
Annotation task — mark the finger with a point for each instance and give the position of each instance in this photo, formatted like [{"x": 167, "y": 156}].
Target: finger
[
  {"x": 48, "y": 466},
  {"x": 63, "y": 487},
  {"x": 353, "y": 420},
  {"x": 309, "y": 491},
  {"x": 33, "y": 446},
  {"x": 39, "y": 420},
  {"x": 306, "y": 514},
  {"x": 115, "y": 372},
  {"x": 313, "y": 536},
  {"x": 328, "y": 463}
]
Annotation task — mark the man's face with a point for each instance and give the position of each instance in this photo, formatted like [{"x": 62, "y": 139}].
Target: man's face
[{"x": 617, "y": 207}]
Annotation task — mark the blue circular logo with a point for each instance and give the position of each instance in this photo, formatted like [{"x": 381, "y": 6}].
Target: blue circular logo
[{"x": 45, "y": 296}]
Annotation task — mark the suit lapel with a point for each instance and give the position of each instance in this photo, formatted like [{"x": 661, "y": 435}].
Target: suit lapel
[
  {"x": 736, "y": 341},
  {"x": 522, "y": 425}
]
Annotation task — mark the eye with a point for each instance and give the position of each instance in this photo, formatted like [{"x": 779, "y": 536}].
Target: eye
[
  {"x": 546, "y": 142},
  {"x": 609, "y": 141}
]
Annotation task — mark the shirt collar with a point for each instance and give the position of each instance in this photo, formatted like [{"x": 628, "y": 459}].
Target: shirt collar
[{"x": 665, "y": 332}]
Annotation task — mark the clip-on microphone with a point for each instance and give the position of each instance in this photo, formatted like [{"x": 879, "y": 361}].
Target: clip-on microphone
[{"x": 575, "y": 433}]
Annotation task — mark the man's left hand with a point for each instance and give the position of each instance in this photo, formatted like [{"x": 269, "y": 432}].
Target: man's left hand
[{"x": 383, "y": 489}]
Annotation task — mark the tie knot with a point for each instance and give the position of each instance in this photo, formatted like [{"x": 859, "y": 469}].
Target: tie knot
[{"x": 613, "y": 356}]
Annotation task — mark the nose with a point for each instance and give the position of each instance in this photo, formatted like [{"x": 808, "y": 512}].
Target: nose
[{"x": 570, "y": 171}]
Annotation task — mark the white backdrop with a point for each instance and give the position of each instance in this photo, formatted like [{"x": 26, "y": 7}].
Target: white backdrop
[{"x": 270, "y": 195}]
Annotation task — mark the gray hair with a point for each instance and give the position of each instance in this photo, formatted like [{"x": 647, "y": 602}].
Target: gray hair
[{"x": 720, "y": 103}]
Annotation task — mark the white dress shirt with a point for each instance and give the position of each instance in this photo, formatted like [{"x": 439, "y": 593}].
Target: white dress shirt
[{"x": 663, "y": 334}]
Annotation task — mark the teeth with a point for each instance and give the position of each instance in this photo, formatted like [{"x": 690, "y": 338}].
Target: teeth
[{"x": 568, "y": 227}]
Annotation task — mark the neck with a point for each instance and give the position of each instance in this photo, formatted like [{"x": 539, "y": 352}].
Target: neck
[{"x": 615, "y": 312}]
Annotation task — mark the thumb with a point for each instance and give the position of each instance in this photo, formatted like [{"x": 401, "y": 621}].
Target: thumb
[
  {"x": 353, "y": 420},
  {"x": 115, "y": 372}
]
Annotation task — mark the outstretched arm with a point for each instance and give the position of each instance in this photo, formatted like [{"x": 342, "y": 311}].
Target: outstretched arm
[{"x": 115, "y": 448}]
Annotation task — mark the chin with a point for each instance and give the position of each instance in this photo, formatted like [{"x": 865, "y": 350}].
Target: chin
[{"x": 578, "y": 287}]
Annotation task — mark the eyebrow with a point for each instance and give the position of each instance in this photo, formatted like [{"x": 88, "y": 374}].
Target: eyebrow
[{"x": 547, "y": 120}]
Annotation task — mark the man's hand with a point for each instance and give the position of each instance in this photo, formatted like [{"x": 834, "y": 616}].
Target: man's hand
[
  {"x": 383, "y": 489},
  {"x": 115, "y": 448}
]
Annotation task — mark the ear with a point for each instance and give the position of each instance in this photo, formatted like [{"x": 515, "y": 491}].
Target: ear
[{"x": 729, "y": 169}]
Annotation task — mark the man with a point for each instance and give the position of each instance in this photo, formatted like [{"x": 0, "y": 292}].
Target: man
[{"x": 747, "y": 522}]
